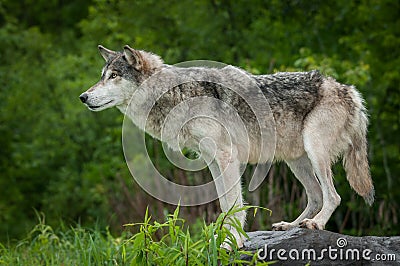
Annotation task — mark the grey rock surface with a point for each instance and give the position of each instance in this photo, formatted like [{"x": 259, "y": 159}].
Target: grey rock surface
[{"x": 320, "y": 247}]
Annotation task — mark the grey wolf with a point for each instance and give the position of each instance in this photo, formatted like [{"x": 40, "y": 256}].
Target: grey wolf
[{"x": 317, "y": 121}]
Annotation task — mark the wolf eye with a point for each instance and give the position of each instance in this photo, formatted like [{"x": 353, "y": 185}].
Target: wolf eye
[{"x": 113, "y": 76}]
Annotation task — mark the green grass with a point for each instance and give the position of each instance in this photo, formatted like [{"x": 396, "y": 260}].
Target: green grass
[{"x": 168, "y": 243}]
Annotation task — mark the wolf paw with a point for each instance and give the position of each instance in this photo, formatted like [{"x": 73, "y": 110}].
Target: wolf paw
[
  {"x": 282, "y": 226},
  {"x": 228, "y": 245},
  {"x": 311, "y": 224}
]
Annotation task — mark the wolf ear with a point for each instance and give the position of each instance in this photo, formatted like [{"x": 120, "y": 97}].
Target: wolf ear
[
  {"x": 106, "y": 53},
  {"x": 133, "y": 57}
]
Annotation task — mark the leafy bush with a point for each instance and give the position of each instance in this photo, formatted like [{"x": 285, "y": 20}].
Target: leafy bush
[
  {"x": 168, "y": 243},
  {"x": 58, "y": 158}
]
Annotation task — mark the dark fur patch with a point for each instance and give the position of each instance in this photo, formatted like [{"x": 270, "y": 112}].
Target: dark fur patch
[{"x": 291, "y": 92}]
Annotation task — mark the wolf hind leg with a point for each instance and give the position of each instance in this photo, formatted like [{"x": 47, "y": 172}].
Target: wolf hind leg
[
  {"x": 304, "y": 172},
  {"x": 317, "y": 146}
]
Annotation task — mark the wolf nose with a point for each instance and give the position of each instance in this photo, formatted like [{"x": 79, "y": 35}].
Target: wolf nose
[{"x": 83, "y": 97}]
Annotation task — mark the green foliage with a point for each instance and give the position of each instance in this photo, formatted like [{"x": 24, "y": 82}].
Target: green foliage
[
  {"x": 177, "y": 246},
  {"x": 59, "y": 158},
  {"x": 168, "y": 243},
  {"x": 67, "y": 246}
]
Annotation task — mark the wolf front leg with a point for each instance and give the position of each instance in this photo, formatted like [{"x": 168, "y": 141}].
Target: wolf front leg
[{"x": 225, "y": 170}]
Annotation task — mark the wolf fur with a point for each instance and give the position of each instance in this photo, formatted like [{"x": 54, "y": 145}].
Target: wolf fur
[{"x": 317, "y": 120}]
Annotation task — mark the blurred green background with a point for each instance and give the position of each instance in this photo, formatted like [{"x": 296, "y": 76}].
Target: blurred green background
[{"x": 58, "y": 158}]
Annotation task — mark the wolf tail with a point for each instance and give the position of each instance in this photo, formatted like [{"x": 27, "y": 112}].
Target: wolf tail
[{"x": 355, "y": 160}]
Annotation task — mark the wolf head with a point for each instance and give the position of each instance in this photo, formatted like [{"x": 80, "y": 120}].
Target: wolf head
[{"x": 121, "y": 76}]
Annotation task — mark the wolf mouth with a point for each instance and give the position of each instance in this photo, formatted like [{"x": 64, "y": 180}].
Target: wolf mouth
[{"x": 93, "y": 107}]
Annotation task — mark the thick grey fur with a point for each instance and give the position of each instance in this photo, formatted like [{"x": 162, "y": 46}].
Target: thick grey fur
[{"x": 316, "y": 120}]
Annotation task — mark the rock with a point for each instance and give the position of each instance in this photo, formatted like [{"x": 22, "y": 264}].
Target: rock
[{"x": 319, "y": 247}]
